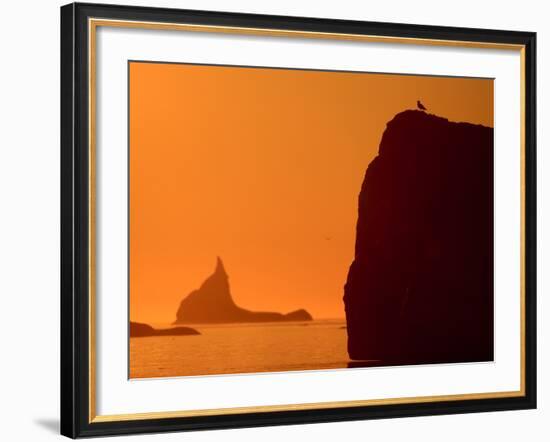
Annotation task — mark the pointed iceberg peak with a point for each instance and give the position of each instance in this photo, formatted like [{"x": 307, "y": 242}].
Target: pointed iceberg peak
[
  {"x": 213, "y": 303},
  {"x": 220, "y": 269}
]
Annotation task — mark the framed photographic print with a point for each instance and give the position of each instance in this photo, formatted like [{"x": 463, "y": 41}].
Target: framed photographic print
[{"x": 275, "y": 220}]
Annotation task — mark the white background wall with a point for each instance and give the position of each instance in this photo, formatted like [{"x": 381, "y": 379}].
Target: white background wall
[{"x": 29, "y": 219}]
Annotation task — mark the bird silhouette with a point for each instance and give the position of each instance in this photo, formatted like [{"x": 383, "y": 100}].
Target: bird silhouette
[{"x": 420, "y": 105}]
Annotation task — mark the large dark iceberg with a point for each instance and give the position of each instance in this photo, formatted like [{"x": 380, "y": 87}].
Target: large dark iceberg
[
  {"x": 420, "y": 289},
  {"x": 213, "y": 303}
]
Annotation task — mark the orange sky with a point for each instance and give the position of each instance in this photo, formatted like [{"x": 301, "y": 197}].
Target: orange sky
[{"x": 263, "y": 168}]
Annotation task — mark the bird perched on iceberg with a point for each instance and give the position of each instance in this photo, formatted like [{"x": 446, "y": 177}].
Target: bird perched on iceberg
[{"x": 420, "y": 106}]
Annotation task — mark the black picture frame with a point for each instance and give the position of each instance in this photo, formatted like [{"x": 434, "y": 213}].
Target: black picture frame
[{"x": 75, "y": 221}]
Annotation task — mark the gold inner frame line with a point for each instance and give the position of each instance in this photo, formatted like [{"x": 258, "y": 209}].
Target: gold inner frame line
[{"x": 93, "y": 24}]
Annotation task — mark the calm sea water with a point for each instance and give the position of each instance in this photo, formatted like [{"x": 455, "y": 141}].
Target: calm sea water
[{"x": 242, "y": 348}]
